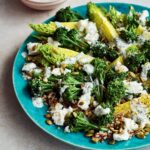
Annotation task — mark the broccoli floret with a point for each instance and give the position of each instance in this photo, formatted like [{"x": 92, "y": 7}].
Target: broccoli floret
[
  {"x": 115, "y": 91},
  {"x": 116, "y": 18},
  {"x": 129, "y": 34},
  {"x": 101, "y": 50},
  {"x": 132, "y": 17},
  {"x": 67, "y": 15},
  {"x": 39, "y": 87},
  {"x": 70, "y": 39},
  {"x": 73, "y": 90},
  {"x": 71, "y": 93},
  {"x": 111, "y": 75},
  {"x": 134, "y": 62},
  {"x": 79, "y": 122},
  {"x": 100, "y": 67},
  {"x": 145, "y": 48}
]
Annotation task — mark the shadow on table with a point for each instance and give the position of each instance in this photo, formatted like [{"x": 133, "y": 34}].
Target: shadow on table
[{"x": 19, "y": 118}]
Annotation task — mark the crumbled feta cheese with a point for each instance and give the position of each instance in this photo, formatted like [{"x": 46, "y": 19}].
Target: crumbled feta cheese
[
  {"x": 88, "y": 68},
  {"x": 121, "y": 137},
  {"x": 95, "y": 103},
  {"x": 121, "y": 68},
  {"x": 134, "y": 87},
  {"x": 66, "y": 71},
  {"x": 58, "y": 24},
  {"x": 130, "y": 124},
  {"x": 72, "y": 60},
  {"x": 24, "y": 54},
  {"x": 31, "y": 47},
  {"x": 139, "y": 113},
  {"x": 52, "y": 42},
  {"x": 143, "y": 17},
  {"x": 91, "y": 38},
  {"x": 145, "y": 69},
  {"x": 84, "y": 101},
  {"x": 47, "y": 72},
  {"x": 67, "y": 129},
  {"x": 122, "y": 46},
  {"x": 62, "y": 89},
  {"x": 37, "y": 102},
  {"x": 28, "y": 67},
  {"x": 84, "y": 60},
  {"x": 37, "y": 71},
  {"x": 100, "y": 111},
  {"x": 59, "y": 113},
  {"x": 82, "y": 24},
  {"x": 56, "y": 72},
  {"x": 90, "y": 29},
  {"x": 87, "y": 87}
]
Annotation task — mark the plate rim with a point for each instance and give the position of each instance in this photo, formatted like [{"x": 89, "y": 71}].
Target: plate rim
[{"x": 28, "y": 114}]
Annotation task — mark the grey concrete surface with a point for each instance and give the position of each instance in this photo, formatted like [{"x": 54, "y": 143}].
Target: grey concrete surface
[{"x": 17, "y": 131}]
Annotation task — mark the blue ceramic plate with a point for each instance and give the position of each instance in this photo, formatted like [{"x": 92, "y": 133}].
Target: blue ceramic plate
[{"x": 37, "y": 115}]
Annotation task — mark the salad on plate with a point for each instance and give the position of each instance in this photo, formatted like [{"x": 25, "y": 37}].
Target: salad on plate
[{"x": 93, "y": 73}]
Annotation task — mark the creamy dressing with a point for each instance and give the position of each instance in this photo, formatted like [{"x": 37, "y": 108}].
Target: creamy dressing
[
  {"x": 37, "y": 71},
  {"x": 122, "y": 46},
  {"x": 66, "y": 71},
  {"x": 145, "y": 69},
  {"x": 37, "y": 102},
  {"x": 67, "y": 129},
  {"x": 53, "y": 42},
  {"x": 88, "y": 68},
  {"x": 62, "y": 89},
  {"x": 24, "y": 54},
  {"x": 134, "y": 87},
  {"x": 100, "y": 111}
]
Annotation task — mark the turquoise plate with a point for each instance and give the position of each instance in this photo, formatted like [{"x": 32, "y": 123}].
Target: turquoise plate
[{"x": 37, "y": 115}]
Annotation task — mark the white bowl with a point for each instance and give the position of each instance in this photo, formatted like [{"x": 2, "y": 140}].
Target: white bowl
[{"x": 41, "y": 5}]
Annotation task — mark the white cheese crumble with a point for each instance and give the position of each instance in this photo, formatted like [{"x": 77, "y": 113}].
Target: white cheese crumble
[
  {"x": 120, "y": 68},
  {"x": 73, "y": 60},
  {"x": 32, "y": 48},
  {"x": 145, "y": 69},
  {"x": 66, "y": 71},
  {"x": 67, "y": 129},
  {"x": 47, "y": 72},
  {"x": 121, "y": 137},
  {"x": 62, "y": 89},
  {"x": 37, "y": 71},
  {"x": 37, "y": 102},
  {"x": 56, "y": 72},
  {"x": 129, "y": 125},
  {"x": 28, "y": 67},
  {"x": 88, "y": 68},
  {"x": 84, "y": 100},
  {"x": 24, "y": 54},
  {"x": 52, "y": 42},
  {"x": 59, "y": 113},
  {"x": 100, "y": 111},
  {"x": 139, "y": 113},
  {"x": 143, "y": 17},
  {"x": 134, "y": 87},
  {"x": 122, "y": 46},
  {"x": 90, "y": 29}
]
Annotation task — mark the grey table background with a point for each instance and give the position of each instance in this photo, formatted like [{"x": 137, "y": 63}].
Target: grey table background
[{"x": 17, "y": 131}]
